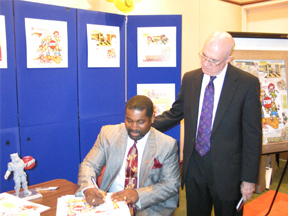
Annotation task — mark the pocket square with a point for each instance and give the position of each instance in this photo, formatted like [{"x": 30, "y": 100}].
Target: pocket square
[{"x": 157, "y": 164}]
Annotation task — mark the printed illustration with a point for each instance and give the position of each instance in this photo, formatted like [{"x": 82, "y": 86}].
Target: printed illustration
[
  {"x": 47, "y": 44},
  {"x": 3, "y": 43},
  {"x": 162, "y": 95},
  {"x": 156, "y": 46},
  {"x": 273, "y": 96},
  {"x": 103, "y": 46},
  {"x": 14, "y": 206},
  {"x": 75, "y": 206}
]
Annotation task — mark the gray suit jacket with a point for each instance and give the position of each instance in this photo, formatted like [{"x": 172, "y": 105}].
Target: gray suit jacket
[{"x": 158, "y": 188}]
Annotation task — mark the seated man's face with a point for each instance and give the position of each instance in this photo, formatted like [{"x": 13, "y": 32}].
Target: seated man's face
[{"x": 137, "y": 123}]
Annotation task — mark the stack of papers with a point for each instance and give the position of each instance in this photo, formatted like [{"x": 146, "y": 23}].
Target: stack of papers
[
  {"x": 12, "y": 206},
  {"x": 77, "y": 206}
]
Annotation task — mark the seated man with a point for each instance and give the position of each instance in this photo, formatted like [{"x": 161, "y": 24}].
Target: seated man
[{"x": 142, "y": 165}]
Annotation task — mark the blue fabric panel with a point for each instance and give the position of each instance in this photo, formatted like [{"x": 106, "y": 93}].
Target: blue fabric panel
[
  {"x": 101, "y": 90},
  {"x": 9, "y": 139},
  {"x": 145, "y": 75},
  {"x": 8, "y": 99},
  {"x": 55, "y": 148},
  {"x": 45, "y": 95},
  {"x": 90, "y": 128}
]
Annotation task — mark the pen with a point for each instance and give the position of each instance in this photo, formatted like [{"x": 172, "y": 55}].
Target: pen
[
  {"x": 47, "y": 188},
  {"x": 94, "y": 182}
]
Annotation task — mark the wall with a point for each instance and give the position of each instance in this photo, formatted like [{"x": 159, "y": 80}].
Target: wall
[
  {"x": 199, "y": 19},
  {"x": 270, "y": 17}
]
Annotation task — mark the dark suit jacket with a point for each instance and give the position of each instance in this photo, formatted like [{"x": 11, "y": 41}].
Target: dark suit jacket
[{"x": 236, "y": 137}]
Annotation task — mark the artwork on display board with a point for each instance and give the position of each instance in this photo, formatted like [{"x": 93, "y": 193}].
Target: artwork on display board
[
  {"x": 156, "y": 46},
  {"x": 46, "y": 43},
  {"x": 162, "y": 95},
  {"x": 3, "y": 43},
  {"x": 103, "y": 44},
  {"x": 273, "y": 96}
]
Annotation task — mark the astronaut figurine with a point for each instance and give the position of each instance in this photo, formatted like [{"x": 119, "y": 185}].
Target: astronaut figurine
[{"x": 17, "y": 165}]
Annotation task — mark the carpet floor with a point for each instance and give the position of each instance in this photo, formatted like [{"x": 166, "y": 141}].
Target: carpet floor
[{"x": 260, "y": 206}]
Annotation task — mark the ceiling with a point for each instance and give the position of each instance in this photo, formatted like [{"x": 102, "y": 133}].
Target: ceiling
[{"x": 244, "y": 2}]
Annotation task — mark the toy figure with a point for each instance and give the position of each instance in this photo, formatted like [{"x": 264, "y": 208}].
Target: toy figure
[{"x": 17, "y": 165}]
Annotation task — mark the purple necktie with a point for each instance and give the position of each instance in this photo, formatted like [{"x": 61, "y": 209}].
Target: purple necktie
[{"x": 204, "y": 127}]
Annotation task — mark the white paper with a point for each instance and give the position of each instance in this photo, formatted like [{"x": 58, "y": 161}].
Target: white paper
[
  {"x": 70, "y": 205},
  {"x": 103, "y": 46},
  {"x": 162, "y": 95},
  {"x": 14, "y": 206},
  {"x": 3, "y": 43},
  {"x": 156, "y": 46},
  {"x": 46, "y": 43}
]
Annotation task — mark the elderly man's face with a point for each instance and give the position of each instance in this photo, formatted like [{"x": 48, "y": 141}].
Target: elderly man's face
[
  {"x": 216, "y": 54},
  {"x": 137, "y": 123}
]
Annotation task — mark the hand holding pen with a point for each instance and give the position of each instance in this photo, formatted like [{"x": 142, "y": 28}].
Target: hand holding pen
[{"x": 95, "y": 197}]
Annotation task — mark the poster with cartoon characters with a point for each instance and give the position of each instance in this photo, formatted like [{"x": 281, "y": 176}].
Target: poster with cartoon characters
[
  {"x": 46, "y": 43},
  {"x": 156, "y": 46},
  {"x": 103, "y": 44},
  {"x": 272, "y": 76},
  {"x": 162, "y": 95},
  {"x": 3, "y": 43}
]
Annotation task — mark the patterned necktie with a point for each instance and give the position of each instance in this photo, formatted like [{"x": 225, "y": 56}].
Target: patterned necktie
[
  {"x": 131, "y": 171},
  {"x": 204, "y": 127}
]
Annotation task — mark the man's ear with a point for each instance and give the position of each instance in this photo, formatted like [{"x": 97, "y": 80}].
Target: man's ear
[
  {"x": 229, "y": 59},
  {"x": 153, "y": 118}
]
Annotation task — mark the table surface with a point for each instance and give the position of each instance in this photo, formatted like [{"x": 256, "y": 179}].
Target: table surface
[
  {"x": 50, "y": 197},
  {"x": 278, "y": 147}
]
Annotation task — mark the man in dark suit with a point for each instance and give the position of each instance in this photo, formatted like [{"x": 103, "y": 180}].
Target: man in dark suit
[{"x": 229, "y": 167}]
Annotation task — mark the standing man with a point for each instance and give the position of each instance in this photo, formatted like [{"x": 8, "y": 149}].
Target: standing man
[
  {"x": 142, "y": 164},
  {"x": 223, "y": 137}
]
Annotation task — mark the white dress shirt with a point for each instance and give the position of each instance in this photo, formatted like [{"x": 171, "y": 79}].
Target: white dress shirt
[
  {"x": 218, "y": 84},
  {"x": 119, "y": 182}
]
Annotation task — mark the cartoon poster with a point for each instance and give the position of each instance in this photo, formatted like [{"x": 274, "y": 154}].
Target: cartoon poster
[
  {"x": 156, "y": 46},
  {"x": 70, "y": 205},
  {"x": 162, "y": 95},
  {"x": 46, "y": 43},
  {"x": 272, "y": 76},
  {"x": 3, "y": 43},
  {"x": 103, "y": 44}
]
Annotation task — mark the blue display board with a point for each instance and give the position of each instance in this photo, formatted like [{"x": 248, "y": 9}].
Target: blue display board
[
  {"x": 153, "y": 75},
  {"x": 45, "y": 95},
  {"x": 9, "y": 132},
  {"x": 55, "y": 114},
  {"x": 101, "y": 90}
]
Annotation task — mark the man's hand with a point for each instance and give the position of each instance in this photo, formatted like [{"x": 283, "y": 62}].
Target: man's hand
[
  {"x": 247, "y": 190},
  {"x": 95, "y": 197},
  {"x": 128, "y": 195}
]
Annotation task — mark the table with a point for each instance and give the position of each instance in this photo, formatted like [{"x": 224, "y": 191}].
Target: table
[{"x": 50, "y": 197}]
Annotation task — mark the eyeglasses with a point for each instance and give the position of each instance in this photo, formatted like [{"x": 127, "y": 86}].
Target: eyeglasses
[{"x": 211, "y": 61}]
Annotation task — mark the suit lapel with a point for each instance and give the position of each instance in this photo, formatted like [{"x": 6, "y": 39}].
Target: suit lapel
[
  {"x": 118, "y": 152},
  {"x": 195, "y": 95},
  {"x": 228, "y": 90},
  {"x": 148, "y": 158}
]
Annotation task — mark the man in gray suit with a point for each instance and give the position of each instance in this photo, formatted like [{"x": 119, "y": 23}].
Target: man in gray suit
[
  {"x": 157, "y": 178},
  {"x": 221, "y": 165}
]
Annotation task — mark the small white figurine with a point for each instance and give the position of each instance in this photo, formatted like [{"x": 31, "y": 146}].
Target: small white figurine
[{"x": 17, "y": 165}]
